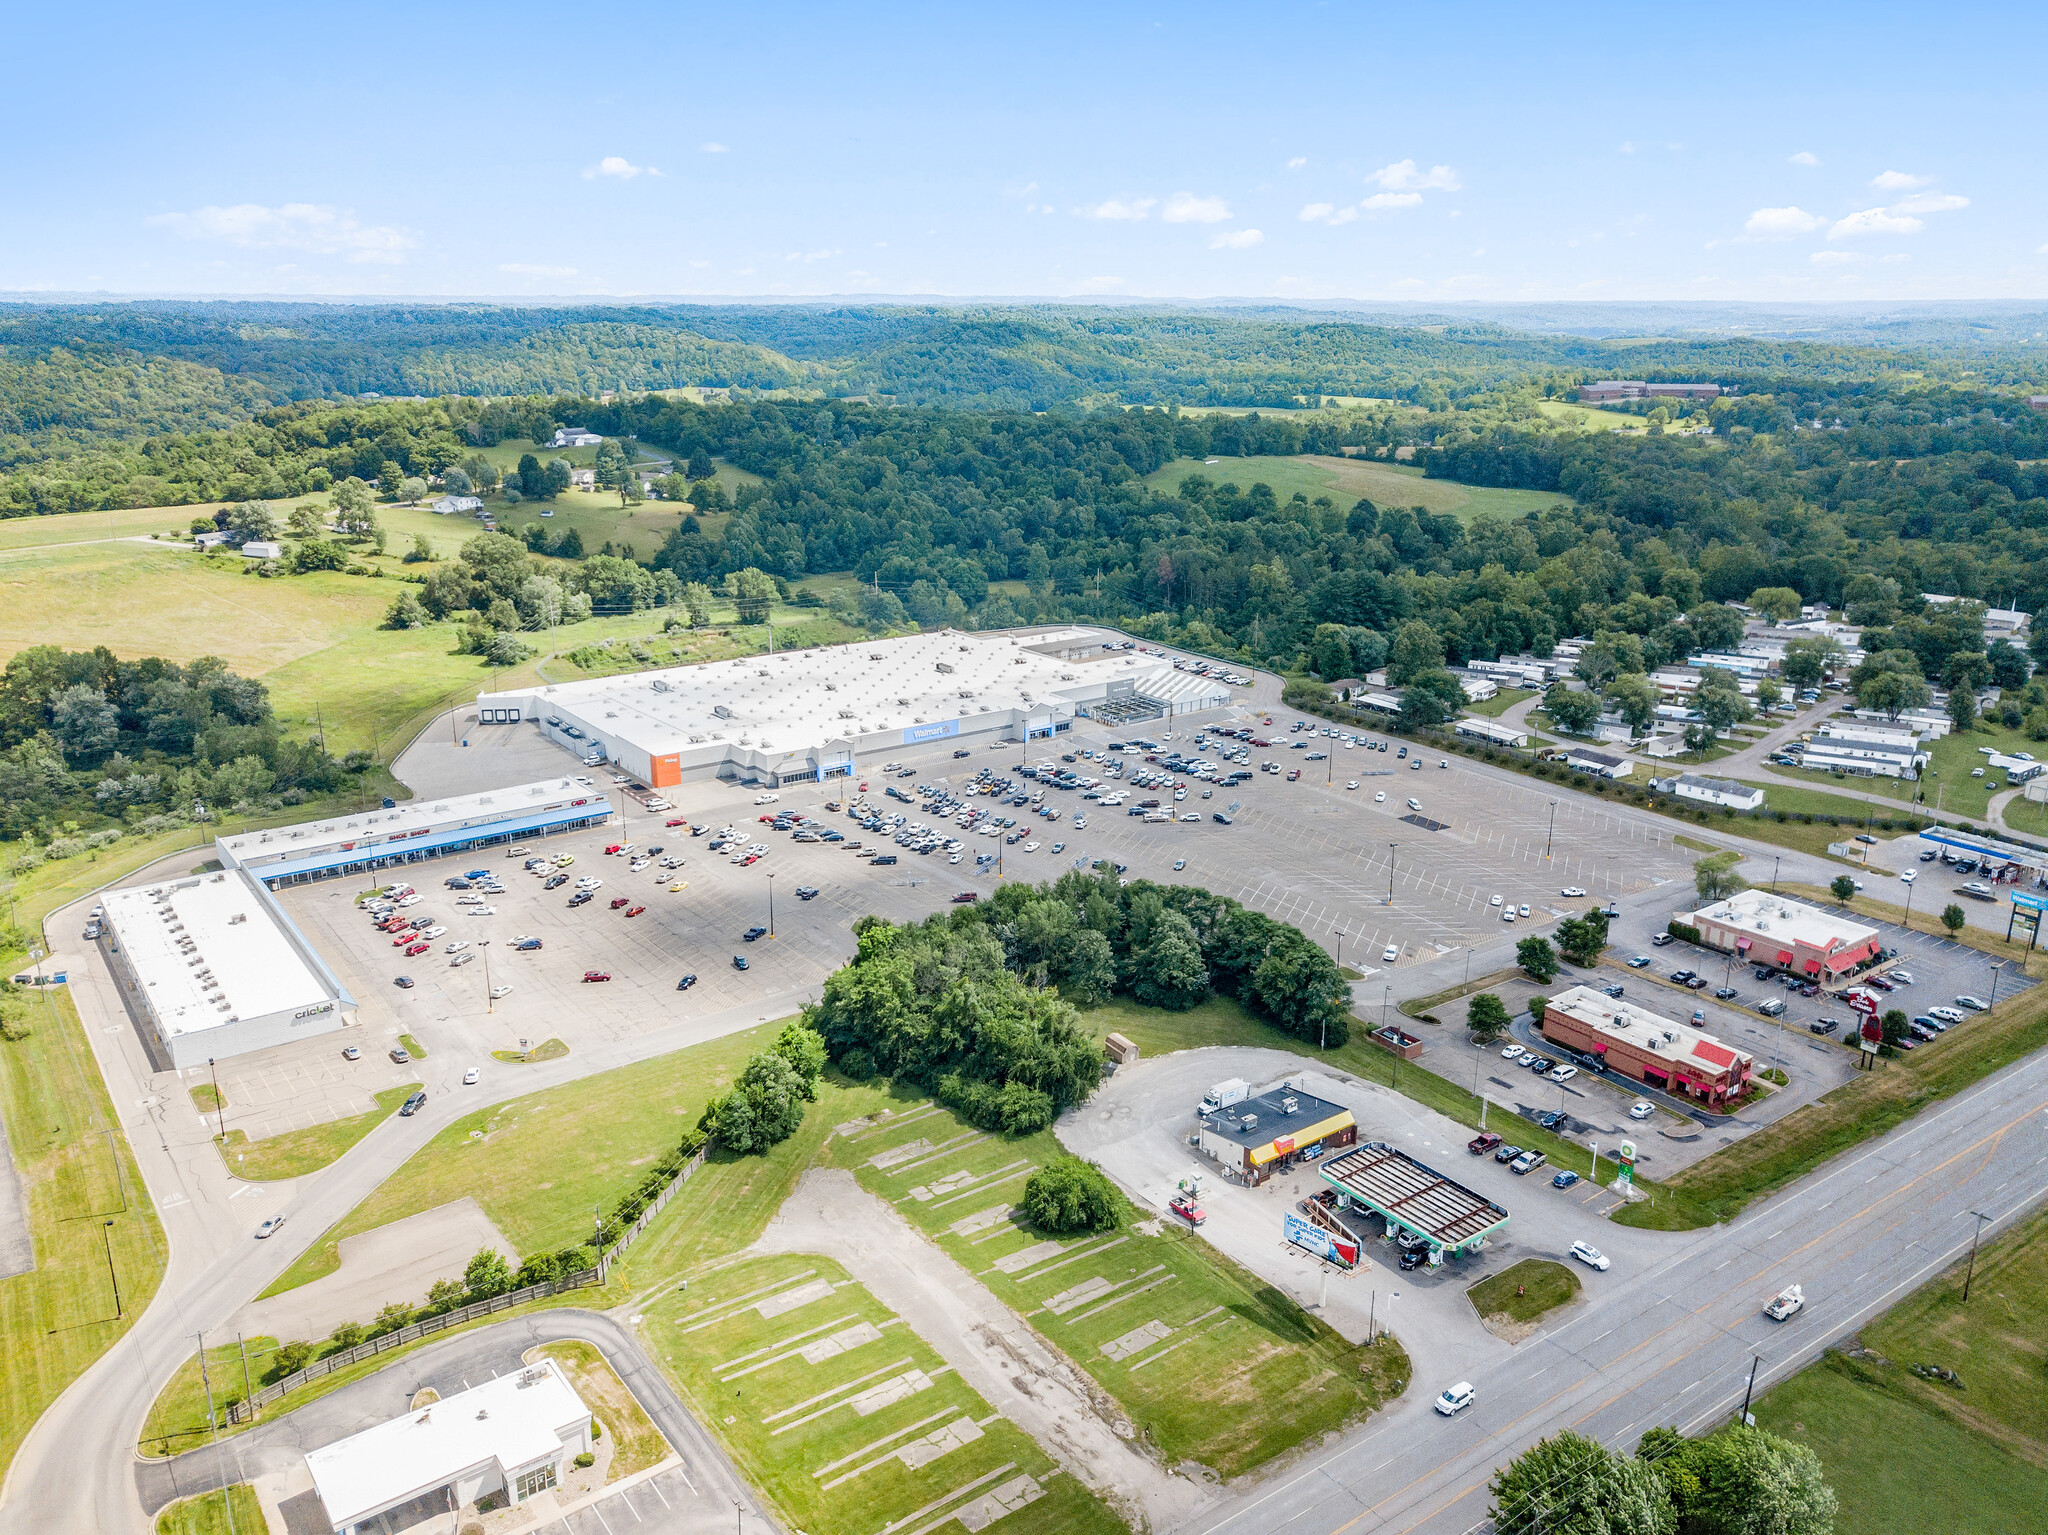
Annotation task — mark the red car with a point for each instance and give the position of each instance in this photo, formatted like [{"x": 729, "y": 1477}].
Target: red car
[
  {"x": 402, "y": 939},
  {"x": 418, "y": 948},
  {"x": 597, "y": 975},
  {"x": 863, "y": 786},
  {"x": 967, "y": 898},
  {"x": 634, "y": 911},
  {"x": 620, "y": 901},
  {"x": 750, "y": 860},
  {"x": 615, "y": 847},
  {"x": 678, "y": 821},
  {"x": 1187, "y": 1209},
  {"x": 1479, "y": 1145}
]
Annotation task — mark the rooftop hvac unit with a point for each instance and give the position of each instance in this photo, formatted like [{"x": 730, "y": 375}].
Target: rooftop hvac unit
[
  {"x": 903, "y": 703},
  {"x": 1289, "y": 1105},
  {"x": 846, "y": 714},
  {"x": 238, "y": 917},
  {"x": 945, "y": 666},
  {"x": 1671, "y": 1036},
  {"x": 1652, "y": 1042},
  {"x": 1251, "y": 1121}
]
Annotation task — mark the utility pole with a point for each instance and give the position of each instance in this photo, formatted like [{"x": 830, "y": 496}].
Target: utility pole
[
  {"x": 219, "y": 1461},
  {"x": 248, "y": 1391},
  {"x": 1972, "y": 1274},
  {"x": 1754, "y": 1361}
]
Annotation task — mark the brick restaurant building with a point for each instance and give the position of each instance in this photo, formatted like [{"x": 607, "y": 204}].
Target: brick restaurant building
[
  {"x": 1767, "y": 929},
  {"x": 1646, "y": 1047}
]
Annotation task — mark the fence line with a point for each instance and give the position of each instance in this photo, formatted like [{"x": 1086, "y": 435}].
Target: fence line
[{"x": 413, "y": 1332}]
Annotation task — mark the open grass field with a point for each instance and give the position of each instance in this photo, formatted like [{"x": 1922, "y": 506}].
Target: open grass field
[
  {"x": 85, "y": 1198},
  {"x": 1590, "y": 418},
  {"x": 1525, "y": 1291},
  {"x": 1720, "y": 1186},
  {"x": 636, "y": 1442},
  {"x": 1345, "y": 480},
  {"x": 538, "y": 1164},
  {"x": 1211, "y": 1363},
  {"x": 299, "y": 1152},
  {"x": 1966, "y": 1459},
  {"x": 872, "y": 1430},
  {"x": 2027, "y": 817},
  {"x": 177, "y": 1420},
  {"x": 209, "y": 1513}
]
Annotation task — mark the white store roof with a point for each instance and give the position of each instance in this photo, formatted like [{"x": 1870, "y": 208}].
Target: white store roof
[
  {"x": 1761, "y": 912},
  {"x": 1644, "y": 1029},
  {"x": 514, "y": 1420},
  {"x": 794, "y": 700},
  {"x": 414, "y": 818},
  {"x": 209, "y": 951}
]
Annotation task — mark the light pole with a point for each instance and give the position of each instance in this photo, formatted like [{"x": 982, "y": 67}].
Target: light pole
[
  {"x": 490, "y": 996},
  {"x": 1550, "y": 834},
  {"x": 1996, "y": 966},
  {"x": 1754, "y": 1361},
  {"x": 1774, "y": 874},
  {"x": 1972, "y": 1274},
  {"x": 106, "y": 1236},
  {"x": 771, "y": 906},
  {"x": 1392, "y": 847},
  {"x": 220, "y": 1104}
]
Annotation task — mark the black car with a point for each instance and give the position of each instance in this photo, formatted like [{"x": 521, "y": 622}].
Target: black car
[
  {"x": 403, "y": 982},
  {"x": 1696, "y": 983},
  {"x": 1724, "y": 993},
  {"x": 1612, "y": 991},
  {"x": 1414, "y": 1258},
  {"x": 806, "y": 892},
  {"x": 1824, "y": 1025},
  {"x": 579, "y": 898},
  {"x": 414, "y": 1104},
  {"x": 739, "y": 962},
  {"x": 555, "y": 882},
  {"x": 1681, "y": 976},
  {"x": 686, "y": 983},
  {"x": 1507, "y": 1153},
  {"x": 1220, "y": 818}
]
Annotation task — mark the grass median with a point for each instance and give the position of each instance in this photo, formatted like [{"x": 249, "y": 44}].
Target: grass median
[
  {"x": 1524, "y": 1291},
  {"x": 209, "y": 1513},
  {"x": 299, "y": 1152},
  {"x": 636, "y": 1442},
  {"x": 89, "y": 1217}
]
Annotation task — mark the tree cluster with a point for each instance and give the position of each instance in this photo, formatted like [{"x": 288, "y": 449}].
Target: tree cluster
[{"x": 1739, "y": 1481}]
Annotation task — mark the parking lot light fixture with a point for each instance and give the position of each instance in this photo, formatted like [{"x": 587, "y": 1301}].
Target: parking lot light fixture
[
  {"x": 1549, "y": 835},
  {"x": 1996, "y": 966},
  {"x": 771, "y": 905}
]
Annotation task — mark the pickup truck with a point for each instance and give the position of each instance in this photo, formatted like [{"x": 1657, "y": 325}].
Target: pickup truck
[
  {"x": 1527, "y": 1162},
  {"x": 1787, "y": 1301},
  {"x": 1482, "y": 1143}
]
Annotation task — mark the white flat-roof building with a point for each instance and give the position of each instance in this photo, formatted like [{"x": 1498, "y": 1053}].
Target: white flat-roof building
[
  {"x": 1607, "y": 766},
  {"x": 509, "y": 1435},
  {"x": 412, "y": 832},
  {"x": 1865, "y": 748},
  {"x": 1713, "y": 791},
  {"x": 1478, "y": 688},
  {"x": 1768, "y": 929},
  {"x": 812, "y": 714},
  {"x": 215, "y": 969}
]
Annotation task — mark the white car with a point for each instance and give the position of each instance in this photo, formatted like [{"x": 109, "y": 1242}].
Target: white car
[
  {"x": 1640, "y": 1109},
  {"x": 1031, "y": 847},
  {"x": 1525, "y": 1057},
  {"x": 434, "y": 932},
  {"x": 1522, "y": 910},
  {"x": 1455, "y": 1399},
  {"x": 269, "y": 1228},
  {"x": 460, "y": 959},
  {"x": 1590, "y": 1255},
  {"x": 499, "y": 991},
  {"x": 1390, "y": 953},
  {"x": 766, "y": 799},
  {"x": 1563, "y": 1073},
  {"x": 1908, "y": 877},
  {"x": 1352, "y": 785},
  {"x": 1900, "y": 977},
  {"x": 1414, "y": 804},
  {"x": 483, "y": 911},
  {"x": 1947, "y": 1014},
  {"x": 1509, "y": 1052},
  {"x": 469, "y": 1077},
  {"x": 1191, "y": 816},
  {"x": 458, "y": 946},
  {"x": 953, "y": 858},
  {"x": 1494, "y": 902},
  {"x": 408, "y": 900},
  {"x": 1380, "y": 798},
  {"x": 1508, "y": 915},
  {"x": 1571, "y": 892}
]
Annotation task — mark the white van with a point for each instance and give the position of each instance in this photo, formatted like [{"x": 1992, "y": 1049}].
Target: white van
[
  {"x": 1390, "y": 953},
  {"x": 1414, "y": 804}
]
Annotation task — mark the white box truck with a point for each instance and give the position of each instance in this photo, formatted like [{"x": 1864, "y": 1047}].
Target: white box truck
[{"x": 1224, "y": 1094}]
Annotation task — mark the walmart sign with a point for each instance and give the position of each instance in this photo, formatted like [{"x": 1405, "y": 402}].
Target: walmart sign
[{"x": 937, "y": 732}]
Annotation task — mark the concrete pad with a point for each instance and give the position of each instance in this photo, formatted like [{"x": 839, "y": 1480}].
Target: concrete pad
[
  {"x": 17, "y": 1244},
  {"x": 398, "y": 1262}
]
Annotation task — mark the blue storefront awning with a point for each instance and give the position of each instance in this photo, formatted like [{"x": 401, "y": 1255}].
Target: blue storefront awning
[{"x": 367, "y": 853}]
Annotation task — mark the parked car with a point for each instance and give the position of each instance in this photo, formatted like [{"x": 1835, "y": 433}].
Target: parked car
[
  {"x": 1507, "y": 1153},
  {"x": 403, "y": 982},
  {"x": 1639, "y": 962},
  {"x": 687, "y": 982},
  {"x": 597, "y": 975},
  {"x": 352, "y": 1052},
  {"x": 400, "y": 1055},
  {"x": 1527, "y": 1163},
  {"x": 739, "y": 962},
  {"x": 1482, "y": 1143},
  {"x": 1590, "y": 1255},
  {"x": 1660, "y": 940},
  {"x": 1640, "y": 1109},
  {"x": 1187, "y": 1209},
  {"x": 1564, "y": 1180}
]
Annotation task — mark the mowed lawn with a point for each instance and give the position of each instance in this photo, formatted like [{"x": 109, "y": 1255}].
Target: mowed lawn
[
  {"x": 60, "y": 1316},
  {"x": 1212, "y": 1364},
  {"x": 837, "y": 1411},
  {"x": 1345, "y": 480},
  {"x": 539, "y": 1164},
  {"x": 299, "y": 1152},
  {"x": 1897, "y": 1466}
]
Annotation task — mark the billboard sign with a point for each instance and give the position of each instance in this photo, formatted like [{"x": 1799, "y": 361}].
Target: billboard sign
[
  {"x": 1314, "y": 1239},
  {"x": 937, "y": 731}
]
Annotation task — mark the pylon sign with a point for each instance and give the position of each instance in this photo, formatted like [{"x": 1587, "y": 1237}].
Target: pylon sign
[{"x": 1625, "y": 1156}]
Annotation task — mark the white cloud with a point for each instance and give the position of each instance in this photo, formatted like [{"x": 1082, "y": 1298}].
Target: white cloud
[
  {"x": 1898, "y": 181},
  {"x": 1382, "y": 202},
  {"x": 1626, "y": 146},
  {"x": 1930, "y": 202},
  {"x": 2041, "y": 250},
  {"x": 1874, "y": 221},
  {"x": 1403, "y": 176},
  {"x": 712, "y": 147},
  {"x": 824, "y": 255},
  {"x": 1118, "y": 208},
  {"x": 317, "y": 227},
  {"x": 1804, "y": 157},
  {"x": 1297, "y": 162},
  {"x": 1098, "y": 284},
  {"x": 1316, "y": 211},
  {"x": 1236, "y": 240},
  {"x": 1782, "y": 223},
  {"x": 527, "y": 269},
  {"x": 619, "y": 168},
  {"x": 1836, "y": 258},
  {"x": 1186, "y": 208},
  {"x": 1343, "y": 216},
  {"x": 1023, "y": 190}
]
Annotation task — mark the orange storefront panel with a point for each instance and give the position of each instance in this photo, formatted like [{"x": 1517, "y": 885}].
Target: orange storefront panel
[{"x": 667, "y": 771}]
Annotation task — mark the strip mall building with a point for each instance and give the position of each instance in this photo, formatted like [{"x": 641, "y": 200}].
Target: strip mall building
[{"x": 1646, "y": 1047}]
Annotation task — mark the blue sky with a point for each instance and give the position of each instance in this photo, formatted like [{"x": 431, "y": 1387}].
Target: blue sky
[{"x": 1298, "y": 151}]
